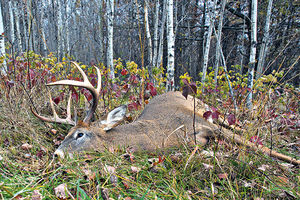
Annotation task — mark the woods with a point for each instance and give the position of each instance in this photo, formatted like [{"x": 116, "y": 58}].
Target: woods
[
  {"x": 155, "y": 99},
  {"x": 93, "y": 30}
]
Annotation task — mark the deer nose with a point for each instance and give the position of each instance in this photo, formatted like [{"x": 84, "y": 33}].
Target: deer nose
[{"x": 59, "y": 153}]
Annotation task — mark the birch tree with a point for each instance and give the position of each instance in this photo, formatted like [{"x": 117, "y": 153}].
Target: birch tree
[
  {"x": 155, "y": 34},
  {"x": 2, "y": 43},
  {"x": 219, "y": 35},
  {"x": 100, "y": 21},
  {"x": 59, "y": 30},
  {"x": 43, "y": 26},
  {"x": 12, "y": 27},
  {"x": 110, "y": 33},
  {"x": 161, "y": 36},
  {"x": 208, "y": 39},
  {"x": 252, "y": 51},
  {"x": 264, "y": 46},
  {"x": 171, "y": 47},
  {"x": 148, "y": 35},
  {"x": 17, "y": 23}
]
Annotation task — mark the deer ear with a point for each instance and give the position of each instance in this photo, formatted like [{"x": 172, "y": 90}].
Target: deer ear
[{"x": 114, "y": 117}]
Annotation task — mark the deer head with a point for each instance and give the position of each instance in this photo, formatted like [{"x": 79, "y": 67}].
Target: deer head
[{"x": 85, "y": 135}]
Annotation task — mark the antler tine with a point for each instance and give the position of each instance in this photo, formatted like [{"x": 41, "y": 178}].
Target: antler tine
[
  {"x": 55, "y": 117},
  {"x": 85, "y": 84}
]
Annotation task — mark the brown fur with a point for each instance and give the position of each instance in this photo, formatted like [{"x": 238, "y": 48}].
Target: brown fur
[{"x": 157, "y": 128}]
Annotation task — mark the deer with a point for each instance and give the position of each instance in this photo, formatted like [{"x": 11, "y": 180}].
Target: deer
[{"x": 165, "y": 122}]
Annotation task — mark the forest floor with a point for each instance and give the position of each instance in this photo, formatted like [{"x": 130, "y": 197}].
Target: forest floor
[{"x": 219, "y": 170}]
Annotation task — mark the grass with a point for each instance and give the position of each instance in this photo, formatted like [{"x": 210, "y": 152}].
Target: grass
[{"x": 218, "y": 171}]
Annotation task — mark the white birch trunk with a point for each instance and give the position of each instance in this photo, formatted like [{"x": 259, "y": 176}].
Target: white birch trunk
[
  {"x": 161, "y": 37},
  {"x": 29, "y": 26},
  {"x": 3, "y": 67},
  {"x": 17, "y": 21},
  {"x": 12, "y": 27},
  {"x": 264, "y": 47},
  {"x": 252, "y": 51},
  {"x": 220, "y": 26},
  {"x": 171, "y": 47},
  {"x": 25, "y": 39},
  {"x": 101, "y": 48},
  {"x": 110, "y": 34},
  {"x": 155, "y": 35},
  {"x": 211, "y": 13},
  {"x": 59, "y": 31},
  {"x": 43, "y": 26},
  {"x": 148, "y": 35},
  {"x": 69, "y": 25}
]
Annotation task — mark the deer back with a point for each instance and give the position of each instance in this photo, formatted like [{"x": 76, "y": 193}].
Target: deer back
[{"x": 166, "y": 121}]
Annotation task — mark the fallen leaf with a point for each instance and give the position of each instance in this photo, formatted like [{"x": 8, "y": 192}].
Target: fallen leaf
[
  {"x": 135, "y": 169},
  {"x": 36, "y": 195},
  {"x": 207, "y": 166},
  {"x": 90, "y": 175},
  {"x": 27, "y": 155},
  {"x": 109, "y": 169},
  {"x": 26, "y": 146},
  {"x": 60, "y": 191},
  {"x": 222, "y": 176},
  {"x": 263, "y": 167},
  {"x": 53, "y": 131}
]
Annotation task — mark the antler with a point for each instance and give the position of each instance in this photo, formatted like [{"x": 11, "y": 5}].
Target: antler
[
  {"x": 55, "y": 117},
  {"x": 85, "y": 84}
]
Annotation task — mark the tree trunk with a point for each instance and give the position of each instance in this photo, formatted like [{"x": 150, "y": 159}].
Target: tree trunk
[
  {"x": 252, "y": 51},
  {"x": 220, "y": 26},
  {"x": 208, "y": 39},
  {"x": 110, "y": 33},
  {"x": 171, "y": 47},
  {"x": 155, "y": 35},
  {"x": 264, "y": 46},
  {"x": 161, "y": 36},
  {"x": 2, "y": 44},
  {"x": 100, "y": 21},
  {"x": 43, "y": 27},
  {"x": 12, "y": 27},
  {"x": 148, "y": 35},
  {"x": 17, "y": 23},
  {"x": 59, "y": 31}
]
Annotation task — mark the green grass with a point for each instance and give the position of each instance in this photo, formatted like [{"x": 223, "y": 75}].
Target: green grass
[{"x": 172, "y": 179}]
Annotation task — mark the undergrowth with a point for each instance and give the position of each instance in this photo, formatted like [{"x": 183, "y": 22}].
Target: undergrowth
[{"x": 220, "y": 170}]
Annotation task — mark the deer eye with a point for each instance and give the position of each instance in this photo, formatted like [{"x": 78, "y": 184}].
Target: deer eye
[{"x": 79, "y": 135}]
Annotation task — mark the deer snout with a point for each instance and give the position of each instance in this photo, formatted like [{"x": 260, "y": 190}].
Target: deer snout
[{"x": 59, "y": 153}]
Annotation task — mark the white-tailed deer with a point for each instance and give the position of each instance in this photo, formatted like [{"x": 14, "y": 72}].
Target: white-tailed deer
[{"x": 165, "y": 122}]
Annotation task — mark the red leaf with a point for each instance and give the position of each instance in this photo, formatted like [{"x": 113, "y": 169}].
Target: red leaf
[
  {"x": 87, "y": 94},
  {"x": 75, "y": 96},
  {"x": 185, "y": 91},
  {"x": 132, "y": 98},
  {"x": 53, "y": 79},
  {"x": 207, "y": 114},
  {"x": 153, "y": 91},
  {"x": 132, "y": 106},
  {"x": 215, "y": 115},
  {"x": 124, "y": 72},
  {"x": 193, "y": 87},
  {"x": 185, "y": 81},
  {"x": 56, "y": 100},
  {"x": 231, "y": 119}
]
